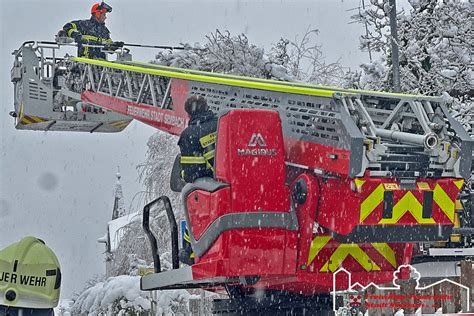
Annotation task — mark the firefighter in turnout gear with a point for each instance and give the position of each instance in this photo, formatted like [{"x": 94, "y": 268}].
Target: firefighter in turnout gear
[
  {"x": 92, "y": 32},
  {"x": 197, "y": 142},
  {"x": 197, "y": 145},
  {"x": 30, "y": 279}
]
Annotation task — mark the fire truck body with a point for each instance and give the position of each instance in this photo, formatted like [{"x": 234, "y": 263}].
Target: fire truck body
[{"x": 308, "y": 179}]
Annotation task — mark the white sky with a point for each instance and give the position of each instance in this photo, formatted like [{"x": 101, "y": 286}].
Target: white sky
[{"x": 58, "y": 186}]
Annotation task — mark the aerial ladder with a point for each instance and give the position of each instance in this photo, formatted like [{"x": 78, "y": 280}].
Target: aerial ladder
[{"x": 308, "y": 179}]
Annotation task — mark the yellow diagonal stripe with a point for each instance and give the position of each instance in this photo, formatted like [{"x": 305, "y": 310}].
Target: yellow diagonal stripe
[
  {"x": 408, "y": 203},
  {"x": 387, "y": 252},
  {"x": 459, "y": 183},
  {"x": 26, "y": 120},
  {"x": 317, "y": 244},
  {"x": 353, "y": 250},
  {"x": 359, "y": 183},
  {"x": 371, "y": 202},
  {"x": 123, "y": 125},
  {"x": 444, "y": 202},
  {"x": 36, "y": 119},
  {"x": 119, "y": 124},
  {"x": 423, "y": 186}
]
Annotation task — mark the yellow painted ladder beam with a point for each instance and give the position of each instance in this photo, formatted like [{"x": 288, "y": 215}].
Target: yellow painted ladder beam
[
  {"x": 279, "y": 82},
  {"x": 237, "y": 81}
]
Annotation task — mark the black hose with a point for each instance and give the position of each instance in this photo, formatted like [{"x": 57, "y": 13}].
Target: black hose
[{"x": 154, "y": 46}]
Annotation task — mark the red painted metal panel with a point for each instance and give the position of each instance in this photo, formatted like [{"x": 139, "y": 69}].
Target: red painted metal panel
[
  {"x": 250, "y": 157},
  {"x": 169, "y": 121},
  {"x": 317, "y": 156},
  {"x": 205, "y": 207},
  {"x": 338, "y": 209},
  {"x": 250, "y": 252}
]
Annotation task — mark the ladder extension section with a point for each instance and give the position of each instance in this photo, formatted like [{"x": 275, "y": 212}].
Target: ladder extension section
[
  {"x": 327, "y": 130},
  {"x": 348, "y": 131}
]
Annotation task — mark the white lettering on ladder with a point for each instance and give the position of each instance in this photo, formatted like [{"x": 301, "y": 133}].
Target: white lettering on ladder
[{"x": 155, "y": 116}]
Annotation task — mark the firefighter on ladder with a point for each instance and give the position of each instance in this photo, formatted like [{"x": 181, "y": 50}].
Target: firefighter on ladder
[
  {"x": 30, "y": 279},
  {"x": 92, "y": 32},
  {"x": 197, "y": 146}
]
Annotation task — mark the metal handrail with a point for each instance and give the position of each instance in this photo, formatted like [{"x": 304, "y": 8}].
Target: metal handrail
[{"x": 152, "y": 238}]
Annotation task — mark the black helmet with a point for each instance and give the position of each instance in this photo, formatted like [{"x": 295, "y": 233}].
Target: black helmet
[{"x": 195, "y": 104}]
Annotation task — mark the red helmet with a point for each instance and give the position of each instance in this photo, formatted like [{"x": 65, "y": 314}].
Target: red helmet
[{"x": 99, "y": 8}]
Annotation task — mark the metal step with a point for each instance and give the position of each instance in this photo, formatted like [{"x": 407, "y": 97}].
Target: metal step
[{"x": 451, "y": 252}]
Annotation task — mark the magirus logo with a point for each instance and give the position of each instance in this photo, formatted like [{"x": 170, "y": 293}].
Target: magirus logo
[
  {"x": 257, "y": 139},
  {"x": 258, "y": 144}
]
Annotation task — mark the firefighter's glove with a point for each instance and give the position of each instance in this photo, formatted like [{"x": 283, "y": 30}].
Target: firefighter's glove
[
  {"x": 113, "y": 46},
  {"x": 118, "y": 44}
]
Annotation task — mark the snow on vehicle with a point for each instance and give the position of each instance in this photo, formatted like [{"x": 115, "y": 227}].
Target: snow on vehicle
[{"x": 308, "y": 179}]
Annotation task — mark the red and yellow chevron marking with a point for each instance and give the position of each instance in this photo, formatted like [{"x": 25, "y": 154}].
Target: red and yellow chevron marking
[
  {"x": 327, "y": 255},
  {"x": 120, "y": 124},
  {"x": 408, "y": 205},
  {"x": 30, "y": 119}
]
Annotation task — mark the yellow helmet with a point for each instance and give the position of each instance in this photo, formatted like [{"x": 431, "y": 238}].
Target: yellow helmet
[{"x": 30, "y": 275}]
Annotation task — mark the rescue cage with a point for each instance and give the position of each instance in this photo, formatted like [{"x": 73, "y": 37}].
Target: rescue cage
[{"x": 43, "y": 102}]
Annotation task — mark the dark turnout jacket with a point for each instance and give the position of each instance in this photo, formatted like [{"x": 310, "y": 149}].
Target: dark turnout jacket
[
  {"x": 88, "y": 32},
  {"x": 197, "y": 145}
]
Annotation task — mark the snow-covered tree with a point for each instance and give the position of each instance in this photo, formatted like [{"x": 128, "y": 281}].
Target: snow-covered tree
[
  {"x": 161, "y": 153},
  {"x": 121, "y": 295},
  {"x": 300, "y": 59},
  {"x": 228, "y": 54},
  {"x": 305, "y": 60},
  {"x": 435, "y": 40}
]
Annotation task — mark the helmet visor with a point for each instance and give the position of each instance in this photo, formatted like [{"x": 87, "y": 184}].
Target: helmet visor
[{"x": 104, "y": 7}]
